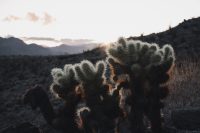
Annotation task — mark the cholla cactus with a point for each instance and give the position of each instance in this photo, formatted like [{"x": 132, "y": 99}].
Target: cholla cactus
[
  {"x": 139, "y": 56},
  {"x": 82, "y": 112},
  {"x": 91, "y": 76},
  {"x": 148, "y": 67},
  {"x": 63, "y": 81},
  {"x": 96, "y": 96}
]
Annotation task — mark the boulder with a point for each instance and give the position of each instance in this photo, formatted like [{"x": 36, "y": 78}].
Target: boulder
[{"x": 186, "y": 119}]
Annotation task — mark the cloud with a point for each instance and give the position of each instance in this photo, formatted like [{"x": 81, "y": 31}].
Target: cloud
[
  {"x": 75, "y": 41},
  {"x": 32, "y": 17},
  {"x": 45, "y": 19},
  {"x": 40, "y": 39},
  {"x": 48, "y": 19},
  {"x": 11, "y": 18},
  {"x": 58, "y": 41}
]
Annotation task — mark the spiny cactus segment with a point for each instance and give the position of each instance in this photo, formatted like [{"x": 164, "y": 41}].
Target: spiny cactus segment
[
  {"x": 88, "y": 73},
  {"x": 63, "y": 80}
]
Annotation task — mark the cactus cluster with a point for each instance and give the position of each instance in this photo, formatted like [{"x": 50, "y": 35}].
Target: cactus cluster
[
  {"x": 148, "y": 67},
  {"x": 87, "y": 81},
  {"x": 138, "y": 57},
  {"x": 138, "y": 71}
]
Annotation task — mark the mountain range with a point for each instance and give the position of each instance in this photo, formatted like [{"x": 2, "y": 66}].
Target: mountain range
[
  {"x": 15, "y": 46},
  {"x": 185, "y": 39}
]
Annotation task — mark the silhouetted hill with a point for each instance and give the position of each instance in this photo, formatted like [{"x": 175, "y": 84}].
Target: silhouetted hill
[
  {"x": 15, "y": 46},
  {"x": 69, "y": 49},
  {"x": 185, "y": 38}
]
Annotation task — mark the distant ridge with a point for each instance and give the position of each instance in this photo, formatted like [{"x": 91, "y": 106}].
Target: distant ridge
[
  {"x": 185, "y": 38},
  {"x": 15, "y": 46}
]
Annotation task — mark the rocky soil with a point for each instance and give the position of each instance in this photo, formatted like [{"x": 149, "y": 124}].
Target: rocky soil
[{"x": 19, "y": 73}]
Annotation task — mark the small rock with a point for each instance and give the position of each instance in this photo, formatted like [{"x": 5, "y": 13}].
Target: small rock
[{"x": 186, "y": 119}]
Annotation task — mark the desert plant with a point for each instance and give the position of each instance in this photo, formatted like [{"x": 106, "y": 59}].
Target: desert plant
[
  {"x": 103, "y": 106},
  {"x": 37, "y": 98},
  {"x": 63, "y": 86},
  {"x": 61, "y": 119},
  {"x": 68, "y": 85},
  {"x": 148, "y": 67},
  {"x": 91, "y": 77},
  {"x": 83, "y": 88},
  {"x": 64, "y": 81}
]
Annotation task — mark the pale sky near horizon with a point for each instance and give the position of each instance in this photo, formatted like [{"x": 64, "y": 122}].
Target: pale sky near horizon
[{"x": 51, "y": 22}]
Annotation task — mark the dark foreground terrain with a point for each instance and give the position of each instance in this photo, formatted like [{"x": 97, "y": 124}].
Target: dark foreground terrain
[{"x": 17, "y": 74}]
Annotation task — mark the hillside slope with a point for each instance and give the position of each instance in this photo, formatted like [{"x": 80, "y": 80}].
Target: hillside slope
[{"x": 185, "y": 38}]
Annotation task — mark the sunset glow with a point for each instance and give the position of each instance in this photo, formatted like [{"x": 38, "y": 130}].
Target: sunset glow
[{"x": 97, "y": 20}]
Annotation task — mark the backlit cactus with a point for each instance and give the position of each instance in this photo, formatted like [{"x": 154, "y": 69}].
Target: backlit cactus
[
  {"x": 91, "y": 79},
  {"x": 140, "y": 56},
  {"x": 63, "y": 81},
  {"x": 138, "y": 70},
  {"x": 90, "y": 75},
  {"x": 148, "y": 67},
  {"x": 104, "y": 108}
]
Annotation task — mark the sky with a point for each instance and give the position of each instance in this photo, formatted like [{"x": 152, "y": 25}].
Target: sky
[{"x": 53, "y": 22}]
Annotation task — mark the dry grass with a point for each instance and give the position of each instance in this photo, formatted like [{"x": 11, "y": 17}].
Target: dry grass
[
  {"x": 184, "y": 85},
  {"x": 184, "y": 88}
]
